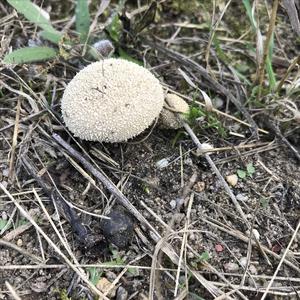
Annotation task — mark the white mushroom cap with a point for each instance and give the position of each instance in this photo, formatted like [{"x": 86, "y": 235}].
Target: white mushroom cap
[
  {"x": 173, "y": 104},
  {"x": 111, "y": 100}
]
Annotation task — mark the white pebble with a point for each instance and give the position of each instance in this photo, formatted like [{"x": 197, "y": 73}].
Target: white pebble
[
  {"x": 232, "y": 179},
  {"x": 255, "y": 233},
  {"x": 232, "y": 267},
  {"x": 173, "y": 204}
]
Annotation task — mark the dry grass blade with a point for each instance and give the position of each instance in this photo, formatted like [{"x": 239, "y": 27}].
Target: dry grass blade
[
  {"x": 291, "y": 8},
  {"x": 183, "y": 245},
  {"x": 14, "y": 141},
  {"x": 20, "y": 250},
  {"x": 12, "y": 291},
  {"x": 184, "y": 60},
  {"x": 213, "y": 31},
  {"x": 167, "y": 249},
  {"x": 217, "y": 172},
  {"x": 52, "y": 244},
  {"x": 281, "y": 261},
  {"x": 237, "y": 234}
]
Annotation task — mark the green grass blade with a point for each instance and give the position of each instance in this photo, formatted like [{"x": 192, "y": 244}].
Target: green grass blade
[
  {"x": 269, "y": 67},
  {"x": 115, "y": 28},
  {"x": 123, "y": 54},
  {"x": 248, "y": 8},
  {"x": 82, "y": 19},
  {"x": 54, "y": 37},
  {"x": 32, "y": 13},
  {"x": 30, "y": 54},
  {"x": 271, "y": 74}
]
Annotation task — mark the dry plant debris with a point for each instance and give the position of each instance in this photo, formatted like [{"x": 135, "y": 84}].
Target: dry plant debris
[{"x": 188, "y": 220}]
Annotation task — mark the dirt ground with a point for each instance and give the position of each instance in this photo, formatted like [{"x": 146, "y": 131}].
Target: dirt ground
[{"x": 196, "y": 233}]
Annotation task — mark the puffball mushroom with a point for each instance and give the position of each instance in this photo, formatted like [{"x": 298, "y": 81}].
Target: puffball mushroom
[
  {"x": 173, "y": 105},
  {"x": 111, "y": 100}
]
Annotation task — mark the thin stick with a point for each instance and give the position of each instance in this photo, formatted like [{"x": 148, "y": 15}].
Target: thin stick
[
  {"x": 106, "y": 181},
  {"x": 184, "y": 242},
  {"x": 281, "y": 262},
  {"x": 52, "y": 244},
  {"x": 166, "y": 248},
  {"x": 8, "y": 244},
  {"x": 216, "y": 170},
  {"x": 14, "y": 141},
  {"x": 12, "y": 291},
  {"x": 290, "y": 68}
]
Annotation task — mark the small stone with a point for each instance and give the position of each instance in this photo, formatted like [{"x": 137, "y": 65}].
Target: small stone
[
  {"x": 218, "y": 102},
  {"x": 104, "y": 285},
  {"x": 241, "y": 197},
  {"x": 4, "y": 216},
  {"x": 162, "y": 163},
  {"x": 231, "y": 267},
  {"x": 192, "y": 237},
  {"x": 255, "y": 233},
  {"x": 188, "y": 162},
  {"x": 122, "y": 294},
  {"x": 219, "y": 248},
  {"x": 111, "y": 276},
  {"x": 253, "y": 270},
  {"x": 205, "y": 147},
  {"x": 5, "y": 172},
  {"x": 4, "y": 183},
  {"x": 173, "y": 204},
  {"x": 243, "y": 261},
  {"x": 232, "y": 179},
  {"x": 19, "y": 242},
  {"x": 199, "y": 186}
]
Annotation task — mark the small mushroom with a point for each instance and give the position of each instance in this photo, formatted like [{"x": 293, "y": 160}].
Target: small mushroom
[
  {"x": 111, "y": 100},
  {"x": 173, "y": 105}
]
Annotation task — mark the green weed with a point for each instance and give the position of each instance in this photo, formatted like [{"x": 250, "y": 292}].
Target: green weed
[
  {"x": 63, "y": 43},
  {"x": 210, "y": 119},
  {"x": 250, "y": 170}
]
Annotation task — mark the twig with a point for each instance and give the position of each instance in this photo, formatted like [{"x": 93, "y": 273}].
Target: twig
[
  {"x": 52, "y": 244},
  {"x": 14, "y": 141},
  {"x": 184, "y": 242},
  {"x": 166, "y": 248},
  {"x": 106, "y": 181},
  {"x": 237, "y": 234},
  {"x": 281, "y": 262},
  {"x": 12, "y": 291},
  {"x": 217, "y": 172},
  {"x": 20, "y": 250},
  {"x": 184, "y": 60}
]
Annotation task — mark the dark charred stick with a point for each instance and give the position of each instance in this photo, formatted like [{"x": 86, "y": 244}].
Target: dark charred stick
[
  {"x": 107, "y": 183},
  {"x": 82, "y": 233}
]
